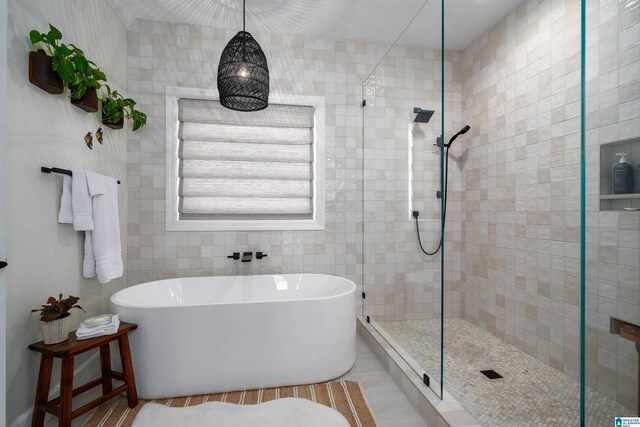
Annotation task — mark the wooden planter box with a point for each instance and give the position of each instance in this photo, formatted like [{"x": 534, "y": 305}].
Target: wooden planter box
[
  {"x": 111, "y": 125},
  {"x": 41, "y": 73},
  {"x": 89, "y": 102}
]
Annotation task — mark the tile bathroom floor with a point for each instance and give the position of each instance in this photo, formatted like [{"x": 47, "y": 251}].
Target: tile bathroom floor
[
  {"x": 531, "y": 393},
  {"x": 390, "y": 406}
]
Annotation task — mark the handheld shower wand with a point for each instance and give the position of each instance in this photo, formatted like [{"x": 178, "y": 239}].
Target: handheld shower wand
[{"x": 444, "y": 196}]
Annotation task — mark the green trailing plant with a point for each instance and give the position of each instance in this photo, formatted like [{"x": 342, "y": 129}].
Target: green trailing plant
[
  {"x": 115, "y": 107},
  {"x": 57, "y": 308},
  {"x": 77, "y": 72}
]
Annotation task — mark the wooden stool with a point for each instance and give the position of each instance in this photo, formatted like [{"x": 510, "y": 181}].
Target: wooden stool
[{"x": 66, "y": 351}]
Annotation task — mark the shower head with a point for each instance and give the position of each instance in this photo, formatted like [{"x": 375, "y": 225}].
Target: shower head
[
  {"x": 423, "y": 116},
  {"x": 462, "y": 131}
]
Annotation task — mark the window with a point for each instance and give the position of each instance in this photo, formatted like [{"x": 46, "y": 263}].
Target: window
[{"x": 230, "y": 170}]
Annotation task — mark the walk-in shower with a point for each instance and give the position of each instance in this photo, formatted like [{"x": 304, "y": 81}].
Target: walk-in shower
[{"x": 539, "y": 259}]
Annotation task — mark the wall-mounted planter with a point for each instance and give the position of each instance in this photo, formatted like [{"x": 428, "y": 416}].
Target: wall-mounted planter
[
  {"x": 41, "y": 73},
  {"x": 89, "y": 102},
  {"x": 115, "y": 126}
]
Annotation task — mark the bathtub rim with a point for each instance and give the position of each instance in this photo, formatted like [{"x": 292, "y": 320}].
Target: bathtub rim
[{"x": 352, "y": 289}]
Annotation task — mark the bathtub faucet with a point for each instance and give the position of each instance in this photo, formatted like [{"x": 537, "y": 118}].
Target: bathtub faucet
[{"x": 247, "y": 256}]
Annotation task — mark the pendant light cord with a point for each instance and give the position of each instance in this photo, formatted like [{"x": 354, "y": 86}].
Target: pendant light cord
[{"x": 244, "y": 27}]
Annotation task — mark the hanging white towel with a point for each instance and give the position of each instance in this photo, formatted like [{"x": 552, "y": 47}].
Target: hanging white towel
[
  {"x": 89, "y": 260},
  {"x": 65, "y": 215},
  {"x": 81, "y": 201},
  {"x": 104, "y": 240}
]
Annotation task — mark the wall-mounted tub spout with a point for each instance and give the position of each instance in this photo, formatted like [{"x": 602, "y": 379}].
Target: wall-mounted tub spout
[{"x": 247, "y": 256}]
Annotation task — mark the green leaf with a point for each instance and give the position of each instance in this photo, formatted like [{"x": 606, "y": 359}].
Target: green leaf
[
  {"x": 100, "y": 76},
  {"x": 66, "y": 71},
  {"x": 81, "y": 64},
  {"x": 54, "y": 33},
  {"x": 36, "y": 36}
]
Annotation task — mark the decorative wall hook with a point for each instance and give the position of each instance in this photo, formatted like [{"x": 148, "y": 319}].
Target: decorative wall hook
[
  {"x": 88, "y": 139},
  {"x": 99, "y": 135}
]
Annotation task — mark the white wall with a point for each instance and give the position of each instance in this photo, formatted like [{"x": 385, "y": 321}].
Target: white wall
[{"x": 44, "y": 129}]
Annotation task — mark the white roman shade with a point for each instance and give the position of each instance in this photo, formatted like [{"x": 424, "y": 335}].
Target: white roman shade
[{"x": 245, "y": 165}]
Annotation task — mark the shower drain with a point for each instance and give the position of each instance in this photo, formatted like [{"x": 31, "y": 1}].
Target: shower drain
[{"x": 491, "y": 374}]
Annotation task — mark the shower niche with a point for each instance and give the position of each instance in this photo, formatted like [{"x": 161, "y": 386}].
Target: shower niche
[{"x": 609, "y": 159}]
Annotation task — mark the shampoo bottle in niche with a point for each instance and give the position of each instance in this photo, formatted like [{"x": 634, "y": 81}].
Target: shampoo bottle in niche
[
  {"x": 622, "y": 176},
  {"x": 638, "y": 179}
]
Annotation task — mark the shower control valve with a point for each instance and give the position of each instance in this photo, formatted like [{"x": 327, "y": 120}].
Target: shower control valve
[
  {"x": 235, "y": 255},
  {"x": 260, "y": 255}
]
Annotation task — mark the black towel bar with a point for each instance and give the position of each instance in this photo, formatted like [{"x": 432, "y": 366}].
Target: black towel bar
[{"x": 58, "y": 170}]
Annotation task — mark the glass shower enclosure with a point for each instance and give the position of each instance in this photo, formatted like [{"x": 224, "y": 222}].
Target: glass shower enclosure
[{"x": 528, "y": 313}]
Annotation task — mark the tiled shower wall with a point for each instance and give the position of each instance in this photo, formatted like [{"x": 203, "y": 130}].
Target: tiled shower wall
[
  {"x": 613, "y": 238},
  {"x": 402, "y": 173},
  {"x": 521, "y": 91},
  {"x": 166, "y": 54}
]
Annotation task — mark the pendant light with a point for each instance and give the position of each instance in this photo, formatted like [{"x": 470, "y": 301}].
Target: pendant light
[{"x": 243, "y": 73}]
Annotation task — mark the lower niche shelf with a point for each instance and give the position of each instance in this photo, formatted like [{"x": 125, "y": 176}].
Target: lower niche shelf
[{"x": 620, "y": 202}]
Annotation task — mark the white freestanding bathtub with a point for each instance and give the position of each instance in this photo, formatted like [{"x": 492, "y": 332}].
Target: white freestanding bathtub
[{"x": 213, "y": 334}]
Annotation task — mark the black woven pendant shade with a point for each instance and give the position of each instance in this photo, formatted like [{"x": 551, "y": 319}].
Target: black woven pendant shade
[{"x": 243, "y": 74}]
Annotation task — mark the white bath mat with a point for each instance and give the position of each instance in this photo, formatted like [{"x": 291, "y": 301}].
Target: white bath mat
[{"x": 287, "y": 412}]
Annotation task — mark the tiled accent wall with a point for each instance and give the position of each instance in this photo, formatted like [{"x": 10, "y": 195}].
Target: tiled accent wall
[
  {"x": 521, "y": 91},
  {"x": 402, "y": 173},
  {"x": 167, "y": 54}
]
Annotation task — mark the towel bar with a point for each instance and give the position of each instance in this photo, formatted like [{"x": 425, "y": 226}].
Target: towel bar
[{"x": 44, "y": 169}]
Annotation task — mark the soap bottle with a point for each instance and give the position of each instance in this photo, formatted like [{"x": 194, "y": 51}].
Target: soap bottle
[{"x": 622, "y": 176}]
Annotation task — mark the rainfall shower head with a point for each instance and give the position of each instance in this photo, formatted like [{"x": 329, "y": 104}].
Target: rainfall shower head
[{"x": 423, "y": 116}]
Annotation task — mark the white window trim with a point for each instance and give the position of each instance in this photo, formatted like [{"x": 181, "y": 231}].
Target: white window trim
[{"x": 175, "y": 224}]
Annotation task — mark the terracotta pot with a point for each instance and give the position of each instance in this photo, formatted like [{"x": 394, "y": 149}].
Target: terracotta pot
[
  {"x": 56, "y": 331},
  {"x": 41, "y": 73},
  {"x": 111, "y": 125},
  {"x": 89, "y": 102}
]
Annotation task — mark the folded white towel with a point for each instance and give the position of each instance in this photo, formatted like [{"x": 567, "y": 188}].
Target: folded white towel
[
  {"x": 84, "y": 332},
  {"x": 65, "y": 215},
  {"x": 81, "y": 201},
  {"x": 104, "y": 241}
]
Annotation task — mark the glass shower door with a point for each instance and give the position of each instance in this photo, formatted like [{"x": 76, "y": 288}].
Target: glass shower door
[{"x": 402, "y": 120}]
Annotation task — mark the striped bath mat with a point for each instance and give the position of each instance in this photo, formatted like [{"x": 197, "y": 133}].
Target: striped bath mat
[{"x": 345, "y": 397}]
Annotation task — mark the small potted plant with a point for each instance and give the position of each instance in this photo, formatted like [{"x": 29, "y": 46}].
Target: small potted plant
[
  {"x": 115, "y": 108},
  {"x": 54, "y": 318},
  {"x": 41, "y": 71},
  {"x": 85, "y": 83}
]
